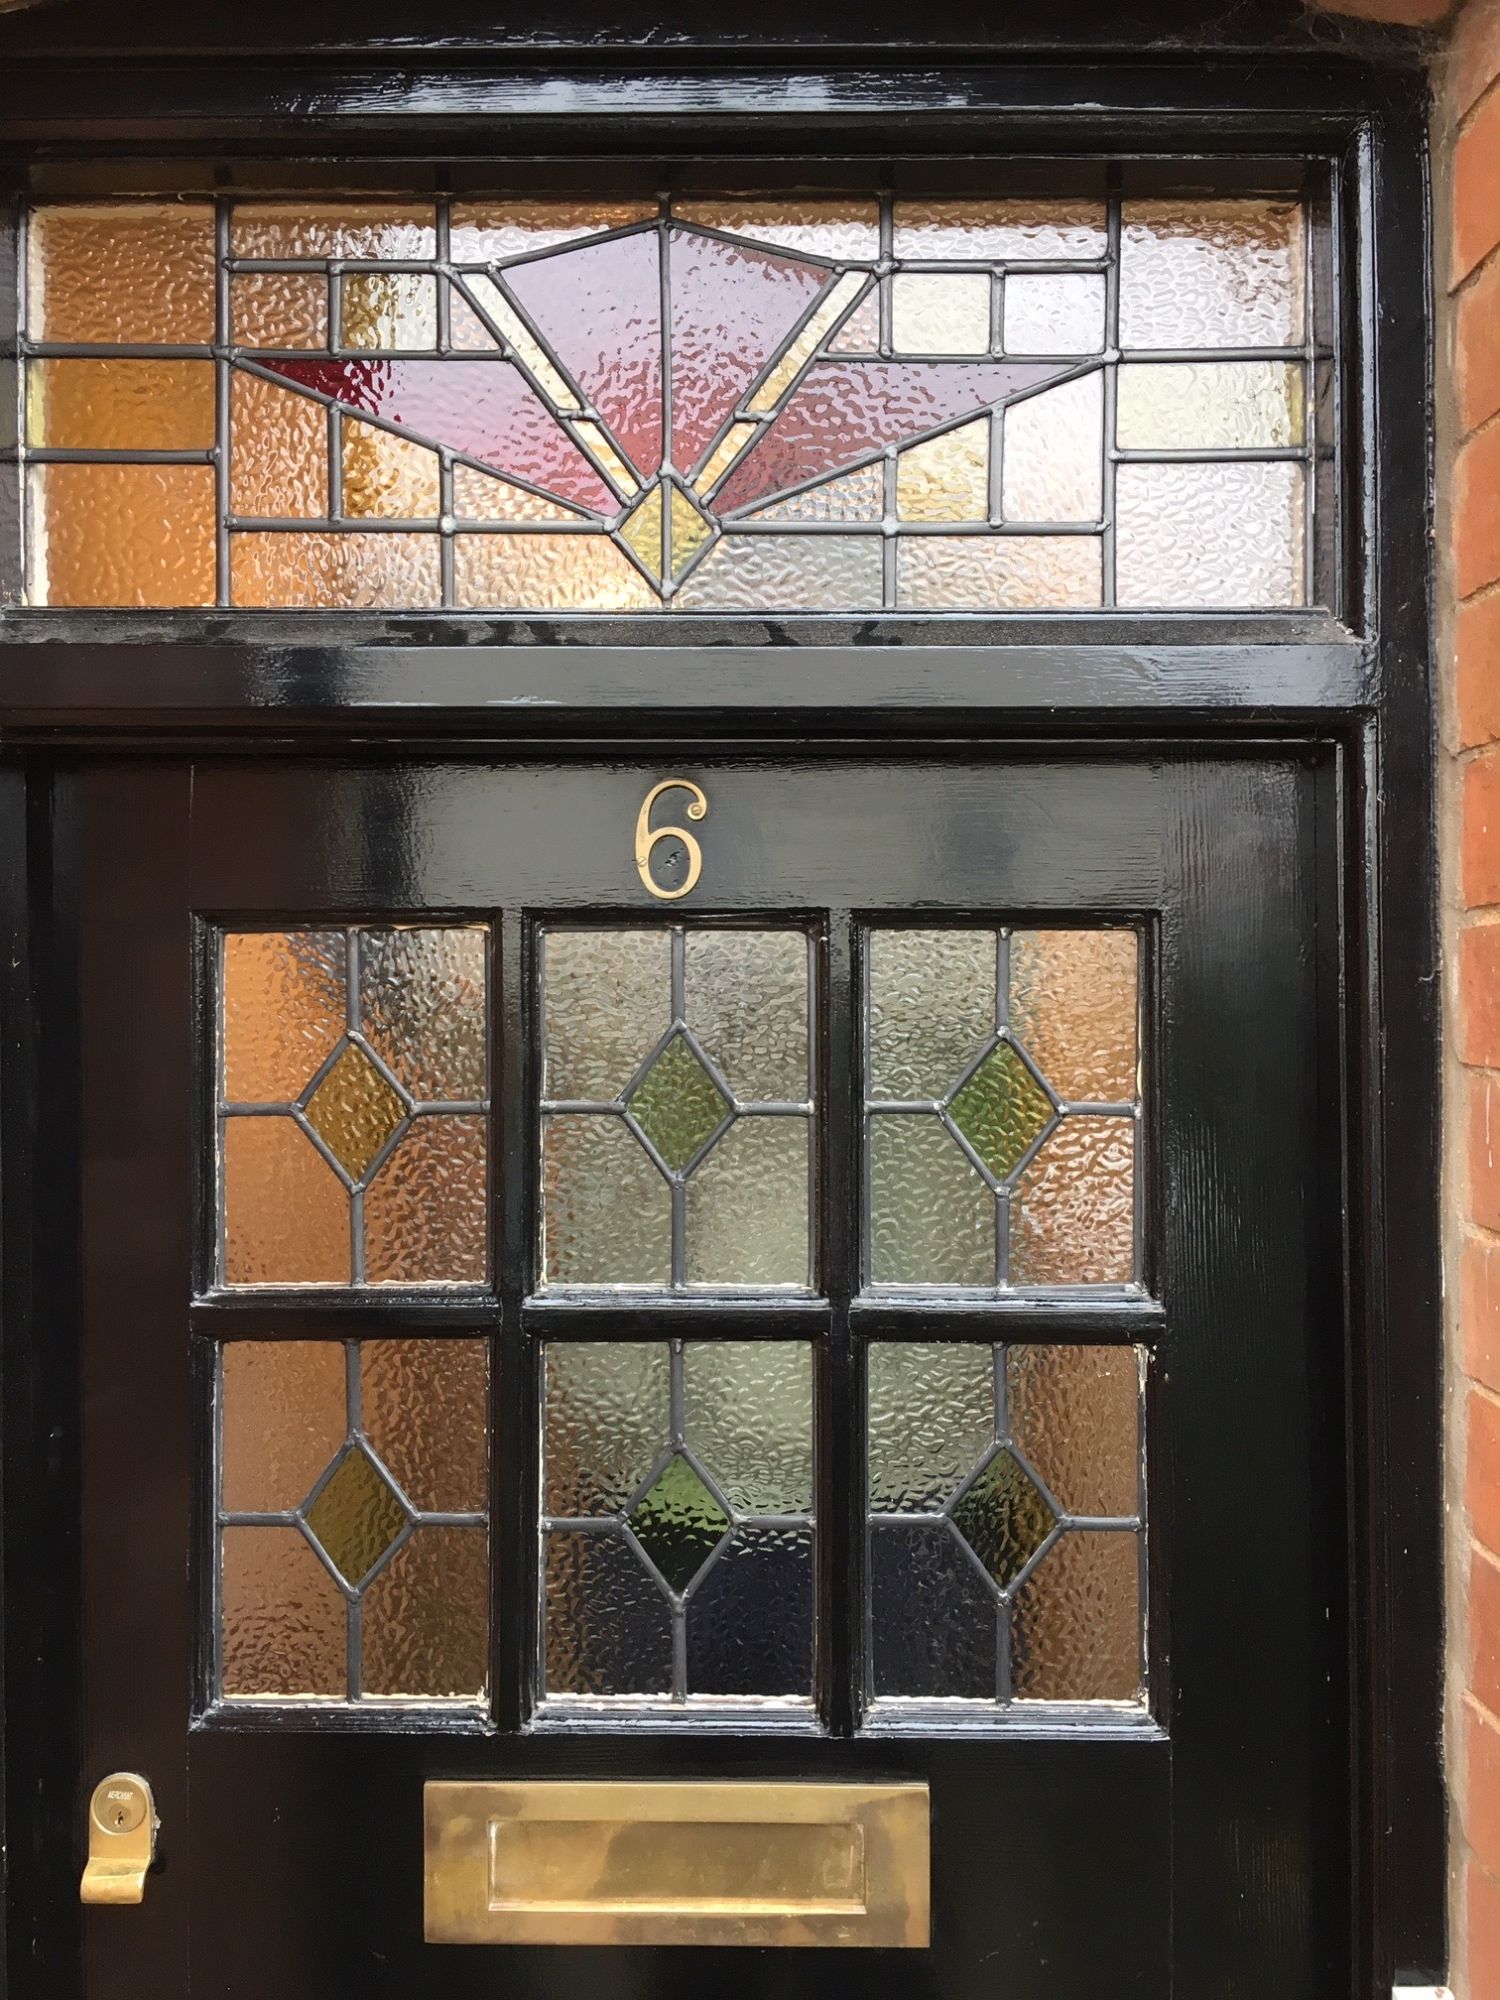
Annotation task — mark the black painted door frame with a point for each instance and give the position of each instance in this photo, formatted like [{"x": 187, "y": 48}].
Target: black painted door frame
[{"x": 1351, "y": 686}]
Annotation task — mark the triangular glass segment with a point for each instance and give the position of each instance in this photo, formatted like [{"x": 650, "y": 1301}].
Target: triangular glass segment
[
  {"x": 484, "y": 409},
  {"x": 843, "y": 411},
  {"x": 732, "y": 309}
]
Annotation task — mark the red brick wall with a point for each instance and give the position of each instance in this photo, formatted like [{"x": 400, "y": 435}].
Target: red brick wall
[{"x": 1469, "y": 399}]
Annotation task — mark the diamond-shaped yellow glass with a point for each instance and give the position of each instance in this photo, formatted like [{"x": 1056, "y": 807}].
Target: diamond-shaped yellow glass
[
  {"x": 354, "y": 1111},
  {"x": 356, "y": 1517}
]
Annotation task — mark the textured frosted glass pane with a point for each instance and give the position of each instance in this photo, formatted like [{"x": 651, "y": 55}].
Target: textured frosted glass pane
[
  {"x": 860, "y": 332},
  {"x": 948, "y": 478},
  {"x": 284, "y": 1007},
  {"x": 854, "y": 496},
  {"x": 609, "y": 998},
  {"x": 283, "y": 1420},
  {"x": 279, "y": 309},
  {"x": 1075, "y": 1412},
  {"x": 1076, "y": 1627},
  {"x": 838, "y": 229},
  {"x": 606, "y": 1209},
  {"x": 747, "y": 1002},
  {"x": 934, "y": 1623},
  {"x": 387, "y": 476},
  {"x": 286, "y": 1215},
  {"x": 422, "y": 1002},
  {"x": 122, "y": 271},
  {"x": 1059, "y": 313},
  {"x": 751, "y": 1628},
  {"x": 1073, "y": 1213},
  {"x": 932, "y": 1219},
  {"x": 425, "y": 1411},
  {"x": 1211, "y": 274},
  {"x": 279, "y": 456},
  {"x": 426, "y": 1617},
  {"x": 337, "y": 571},
  {"x": 389, "y": 309},
  {"x": 1073, "y": 1004},
  {"x": 1004, "y": 230},
  {"x": 747, "y": 1207},
  {"x": 482, "y": 230},
  {"x": 480, "y": 496},
  {"x": 1054, "y": 455},
  {"x": 1201, "y": 405},
  {"x": 786, "y": 573},
  {"x": 425, "y": 1210},
  {"x": 946, "y": 313},
  {"x": 283, "y": 1625},
  {"x": 748, "y": 1412},
  {"x": 547, "y": 573},
  {"x": 1018, "y": 573},
  {"x": 122, "y": 535},
  {"x": 333, "y": 229},
  {"x": 932, "y": 1008},
  {"x": 1209, "y": 534},
  {"x": 121, "y": 405},
  {"x": 608, "y": 1625},
  {"x": 607, "y": 1421},
  {"x": 931, "y": 1419}
]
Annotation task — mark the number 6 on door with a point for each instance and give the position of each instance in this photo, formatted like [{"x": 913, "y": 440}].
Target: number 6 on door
[{"x": 647, "y": 838}]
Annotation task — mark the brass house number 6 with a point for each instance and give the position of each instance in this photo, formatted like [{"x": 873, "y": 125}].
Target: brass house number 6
[{"x": 648, "y": 838}]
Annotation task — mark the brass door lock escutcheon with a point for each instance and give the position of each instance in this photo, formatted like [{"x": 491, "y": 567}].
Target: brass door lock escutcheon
[{"x": 122, "y": 1840}]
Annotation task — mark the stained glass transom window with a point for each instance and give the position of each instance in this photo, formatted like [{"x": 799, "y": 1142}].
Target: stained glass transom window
[
  {"x": 1002, "y": 1108},
  {"x": 1007, "y": 1524},
  {"x": 738, "y": 404},
  {"x": 352, "y": 1109},
  {"x": 678, "y": 1531},
  {"x": 352, "y": 1509}
]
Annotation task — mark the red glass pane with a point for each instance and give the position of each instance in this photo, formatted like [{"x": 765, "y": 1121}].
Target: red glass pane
[
  {"x": 484, "y": 409},
  {"x": 599, "y": 310},
  {"x": 732, "y": 309},
  {"x": 842, "y": 411}
]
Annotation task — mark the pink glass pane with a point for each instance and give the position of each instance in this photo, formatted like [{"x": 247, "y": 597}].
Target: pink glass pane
[
  {"x": 598, "y": 307},
  {"x": 732, "y": 309},
  {"x": 844, "y": 410},
  {"x": 484, "y": 409}
]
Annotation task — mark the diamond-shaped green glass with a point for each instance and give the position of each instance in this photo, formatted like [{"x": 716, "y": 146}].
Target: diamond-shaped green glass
[
  {"x": 354, "y": 1110},
  {"x": 678, "y": 1522},
  {"x": 1004, "y": 1517},
  {"x": 356, "y": 1516},
  {"x": 1001, "y": 1109},
  {"x": 677, "y": 1104}
]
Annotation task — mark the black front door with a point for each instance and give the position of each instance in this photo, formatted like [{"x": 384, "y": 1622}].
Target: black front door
[{"x": 841, "y": 1291}]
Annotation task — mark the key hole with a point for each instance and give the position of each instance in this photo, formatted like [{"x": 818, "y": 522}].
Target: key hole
[{"x": 120, "y": 1817}]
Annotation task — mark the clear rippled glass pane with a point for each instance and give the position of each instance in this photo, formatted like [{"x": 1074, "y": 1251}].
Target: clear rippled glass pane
[
  {"x": 932, "y": 1219},
  {"x": 1211, "y": 274},
  {"x": 1210, "y": 535},
  {"x": 932, "y": 1008},
  {"x": 678, "y": 1537},
  {"x": 1006, "y": 1527},
  {"x": 1210, "y": 405}
]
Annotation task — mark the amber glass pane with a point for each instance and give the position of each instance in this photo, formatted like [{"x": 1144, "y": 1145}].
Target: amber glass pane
[
  {"x": 1006, "y": 1523},
  {"x": 388, "y": 475},
  {"x": 122, "y": 535},
  {"x": 333, "y": 229},
  {"x": 355, "y": 1084},
  {"x": 336, "y": 572},
  {"x": 122, "y": 271},
  {"x": 121, "y": 405},
  {"x": 352, "y": 1493},
  {"x": 279, "y": 308},
  {"x": 1003, "y": 1090},
  {"x": 389, "y": 309},
  {"x": 279, "y": 452},
  {"x": 546, "y": 573}
]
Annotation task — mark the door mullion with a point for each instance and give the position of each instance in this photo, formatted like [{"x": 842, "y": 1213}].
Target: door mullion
[
  {"x": 840, "y": 1388},
  {"x": 514, "y": 1379}
]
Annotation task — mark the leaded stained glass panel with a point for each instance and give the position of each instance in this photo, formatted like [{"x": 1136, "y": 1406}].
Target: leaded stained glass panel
[
  {"x": 351, "y": 1513},
  {"x": 1002, "y": 1108},
  {"x": 677, "y": 1532},
  {"x": 352, "y": 1109},
  {"x": 1006, "y": 1523},
  {"x": 819, "y": 403},
  {"x": 678, "y": 1107}
]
